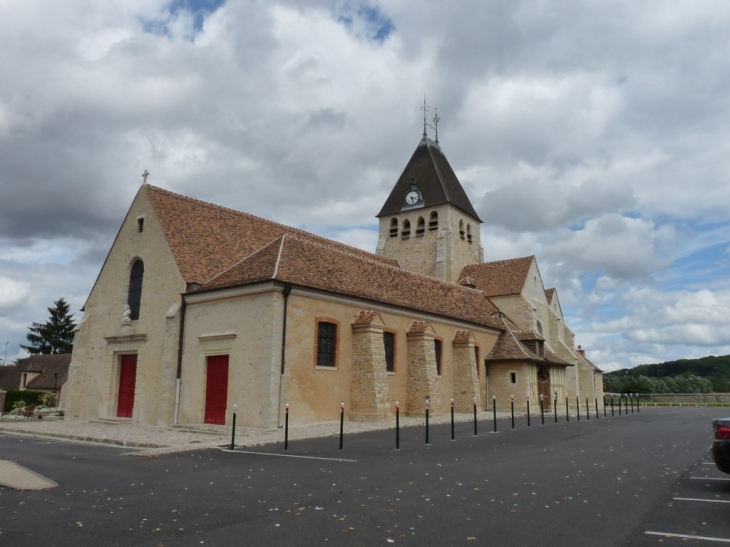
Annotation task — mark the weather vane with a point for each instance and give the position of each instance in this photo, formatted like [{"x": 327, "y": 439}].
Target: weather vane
[
  {"x": 436, "y": 121},
  {"x": 424, "y": 108},
  {"x": 435, "y": 126}
]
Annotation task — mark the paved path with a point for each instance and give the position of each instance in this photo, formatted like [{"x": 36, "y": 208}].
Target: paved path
[{"x": 149, "y": 440}]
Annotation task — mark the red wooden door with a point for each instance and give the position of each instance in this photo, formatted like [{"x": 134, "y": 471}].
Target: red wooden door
[
  {"x": 216, "y": 390},
  {"x": 127, "y": 379}
]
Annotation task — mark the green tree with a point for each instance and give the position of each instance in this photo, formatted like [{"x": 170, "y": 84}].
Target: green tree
[{"x": 55, "y": 335}]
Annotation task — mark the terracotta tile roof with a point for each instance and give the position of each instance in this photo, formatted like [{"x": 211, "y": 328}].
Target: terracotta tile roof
[
  {"x": 549, "y": 293},
  {"x": 501, "y": 278},
  {"x": 207, "y": 239},
  {"x": 509, "y": 347},
  {"x": 304, "y": 262}
]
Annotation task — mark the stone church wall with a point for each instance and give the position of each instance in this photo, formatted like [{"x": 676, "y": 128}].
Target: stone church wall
[{"x": 91, "y": 391}]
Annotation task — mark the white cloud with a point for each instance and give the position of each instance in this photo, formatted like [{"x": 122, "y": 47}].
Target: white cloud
[{"x": 587, "y": 134}]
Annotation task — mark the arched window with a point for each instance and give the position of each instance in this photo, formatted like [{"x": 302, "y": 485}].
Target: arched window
[
  {"x": 420, "y": 227},
  {"x": 468, "y": 232},
  {"x": 406, "y": 229},
  {"x": 393, "y": 227},
  {"x": 461, "y": 229},
  {"x": 433, "y": 222},
  {"x": 134, "y": 298}
]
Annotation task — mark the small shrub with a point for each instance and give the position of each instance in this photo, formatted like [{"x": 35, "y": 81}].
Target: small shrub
[
  {"x": 19, "y": 405},
  {"x": 48, "y": 399}
]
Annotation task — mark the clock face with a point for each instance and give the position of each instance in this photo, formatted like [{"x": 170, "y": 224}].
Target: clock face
[{"x": 411, "y": 197}]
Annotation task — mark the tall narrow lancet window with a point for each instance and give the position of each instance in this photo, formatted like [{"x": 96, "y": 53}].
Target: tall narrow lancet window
[
  {"x": 468, "y": 232},
  {"x": 134, "y": 299},
  {"x": 461, "y": 229},
  {"x": 433, "y": 222}
]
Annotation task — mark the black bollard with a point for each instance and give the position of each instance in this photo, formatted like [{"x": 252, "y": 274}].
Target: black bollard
[
  {"x": 632, "y": 402},
  {"x": 604, "y": 407},
  {"x": 528, "y": 411},
  {"x": 588, "y": 409},
  {"x": 577, "y": 406},
  {"x": 233, "y": 429},
  {"x": 427, "y": 404},
  {"x": 596, "y": 399},
  {"x": 475, "y": 416},
  {"x": 567, "y": 410},
  {"x": 555, "y": 408},
  {"x": 286, "y": 428},
  {"x": 494, "y": 411},
  {"x": 452, "y": 419},
  {"x": 619, "y": 404},
  {"x": 342, "y": 423},
  {"x": 397, "y": 425},
  {"x": 612, "y": 413},
  {"x": 637, "y": 404},
  {"x": 542, "y": 409},
  {"x": 512, "y": 407}
]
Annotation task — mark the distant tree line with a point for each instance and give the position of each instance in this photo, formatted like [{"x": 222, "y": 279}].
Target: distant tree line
[{"x": 705, "y": 375}]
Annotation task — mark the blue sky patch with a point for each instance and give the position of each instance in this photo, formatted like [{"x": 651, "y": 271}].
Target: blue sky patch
[
  {"x": 199, "y": 9},
  {"x": 363, "y": 19}
]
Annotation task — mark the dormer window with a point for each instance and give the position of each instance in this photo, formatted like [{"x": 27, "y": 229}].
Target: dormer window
[
  {"x": 406, "y": 229},
  {"x": 420, "y": 227},
  {"x": 433, "y": 222},
  {"x": 394, "y": 227}
]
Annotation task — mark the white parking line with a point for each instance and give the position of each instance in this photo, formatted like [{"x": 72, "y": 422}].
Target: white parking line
[
  {"x": 684, "y": 536},
  {"x": 709, "y": 479},
  {"x": 291, "y": 456},
  {"x": 701, "y": 499}
]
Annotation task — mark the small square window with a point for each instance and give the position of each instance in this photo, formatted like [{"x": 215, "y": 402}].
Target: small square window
[{"x": 512, "y": 377}]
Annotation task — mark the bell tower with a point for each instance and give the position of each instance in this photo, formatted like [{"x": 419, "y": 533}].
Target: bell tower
[{"x": 428, "y": 223}]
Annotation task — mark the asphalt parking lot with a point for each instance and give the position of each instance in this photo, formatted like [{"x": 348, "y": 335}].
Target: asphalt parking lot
[{"x": 629, "y": 480}]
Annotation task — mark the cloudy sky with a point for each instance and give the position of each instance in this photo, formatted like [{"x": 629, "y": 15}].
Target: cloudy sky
[{"x": 595, "y": 135}]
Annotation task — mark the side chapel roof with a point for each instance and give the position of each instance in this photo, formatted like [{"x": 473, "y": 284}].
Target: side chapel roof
[
  {"x": 206, "y": 239},
  {"x": 501, "y": 278},
  {"x": 510, "y": 347},
  {"x": 434, "y": 178},
  {"x": 302, "y": 261}
]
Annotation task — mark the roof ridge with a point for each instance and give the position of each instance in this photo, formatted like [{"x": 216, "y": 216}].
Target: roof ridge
[
  {"x": 244, "y": 259},
  {"x": 278, "y": 257},
  {"x": 298, "y": 231},
  {"x": 386, "y": 264},
  {"x": 438, "y": 172}
]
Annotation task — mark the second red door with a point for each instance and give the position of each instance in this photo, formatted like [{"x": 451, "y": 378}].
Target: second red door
[{"x": 216, "y": 389}]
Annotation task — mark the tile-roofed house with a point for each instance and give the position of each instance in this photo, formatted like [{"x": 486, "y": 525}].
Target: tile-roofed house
[
  {"x": 38, "y": 373},
  {"x": 200, "y": 307}
]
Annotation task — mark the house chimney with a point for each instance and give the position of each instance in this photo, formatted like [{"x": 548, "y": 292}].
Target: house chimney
[{"x": 581, "y": 351}]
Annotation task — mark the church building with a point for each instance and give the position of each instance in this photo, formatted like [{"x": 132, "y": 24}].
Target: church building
[{"x": 199, "y": 307}]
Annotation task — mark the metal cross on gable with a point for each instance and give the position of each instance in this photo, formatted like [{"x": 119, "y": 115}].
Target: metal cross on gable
[{"x": 144, "y": 176}]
